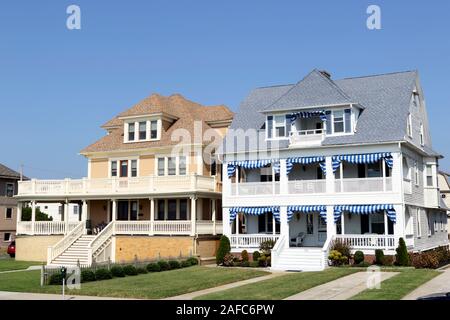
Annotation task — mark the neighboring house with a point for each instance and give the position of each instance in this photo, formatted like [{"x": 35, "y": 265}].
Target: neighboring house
[
  {"x": 444, "y": 188},
  {"x": 55, "y": 210},
  {"x": 148, "y": 194},
  {"x": 8, "y": 205},
  {"x": 308, "y": 163}
]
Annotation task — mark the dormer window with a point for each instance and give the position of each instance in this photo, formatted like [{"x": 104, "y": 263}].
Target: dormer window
[
  {"x": 277, "y": 126},
  {"x": 339, "y": 121},
  {"x": 142, "y": 130}
]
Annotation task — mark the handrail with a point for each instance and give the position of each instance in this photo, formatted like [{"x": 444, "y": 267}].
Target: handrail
[
  {"x": 276, "y": 250},
  {"x": 99, "y": 240},
  {"x": 65, "y": 242},
  {"x": 326, "y": 250}
]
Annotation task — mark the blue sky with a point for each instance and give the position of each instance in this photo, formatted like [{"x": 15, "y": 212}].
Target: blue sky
[{"x": 58, "y": 86}]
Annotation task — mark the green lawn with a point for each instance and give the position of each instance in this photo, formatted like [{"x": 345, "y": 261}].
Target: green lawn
[
  {"x": 398, "y": 286},
  {"x": 7, "y": 264},
  {"x": 147, "y": 286},
  {"x": 280, "y": 287}
]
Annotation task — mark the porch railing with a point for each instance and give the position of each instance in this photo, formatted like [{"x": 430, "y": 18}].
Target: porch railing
[
  {"x": 251, "y": 240},
  {"x": 363, "y": 184},
  {"x": 45, "y": 227},
  {"x": 64, "y": 243},
  {"x": 366, "y": 241}
]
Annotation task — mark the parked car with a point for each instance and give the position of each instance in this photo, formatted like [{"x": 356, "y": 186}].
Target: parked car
[
  {"x": 12, "y": 249},
  {"x": 436, "y": 296}
]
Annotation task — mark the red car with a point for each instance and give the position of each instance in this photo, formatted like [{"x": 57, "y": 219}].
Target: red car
[{"x": 12, "y": 249}]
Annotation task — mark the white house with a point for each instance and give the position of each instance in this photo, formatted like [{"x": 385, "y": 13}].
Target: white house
[
  {"x": 56, "y": 210},
  {"x": 325, "y": 159}
]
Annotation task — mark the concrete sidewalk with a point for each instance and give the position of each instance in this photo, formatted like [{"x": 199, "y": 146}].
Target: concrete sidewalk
[
  {"x": 438, "y": 284},
  {"x": 192, "y": 295},
  {"x": 5, "y": 295},
  {"x": 340, "y": 289}
]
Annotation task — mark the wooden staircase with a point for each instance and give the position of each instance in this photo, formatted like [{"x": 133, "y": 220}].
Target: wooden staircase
[{"x": 77, "y": 252}]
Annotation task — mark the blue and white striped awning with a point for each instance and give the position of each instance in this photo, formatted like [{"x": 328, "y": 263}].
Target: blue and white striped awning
[
  {"x": 248, "y": 164},
  {"x": 366, "y": 209},
  {"x": 304, "y": 160},
  {"x": 308, "y": 114},
  {"x": 306, "y": 209},
  {"x": 362, "y": 158},
  {"x": 255, "y": 211}
]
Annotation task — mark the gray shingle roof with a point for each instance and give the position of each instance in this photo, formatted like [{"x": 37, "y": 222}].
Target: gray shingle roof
[
  {"x": 6, "y": 172},
  {"x": 385, "y": 100},
  {"x": 314, "y": 90}
]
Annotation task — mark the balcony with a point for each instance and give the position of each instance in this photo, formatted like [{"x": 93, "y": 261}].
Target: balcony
[
  {"x": 312, "y": 137},
  {"x": 117, "y": 186},
  {"x": 307, "y": 186},
  {"x": 255, "y": 188},
  {"x": 364, "y": 185}
]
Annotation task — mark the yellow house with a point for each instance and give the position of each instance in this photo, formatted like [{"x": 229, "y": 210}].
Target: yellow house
[{"x": 153, "y": 190}]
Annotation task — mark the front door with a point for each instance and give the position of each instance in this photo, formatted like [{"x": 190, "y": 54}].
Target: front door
[{"x": 122, "y": 210}]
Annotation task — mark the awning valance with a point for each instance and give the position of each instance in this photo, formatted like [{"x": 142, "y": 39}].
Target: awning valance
[
  {"x": 306, "y": 209},
  {"x": 305, "y": 160},
  {"x": 249, "y": 164},
  {"x": 362, "y": 158},
  {"x": 255, "y": 211},
  {"x": 308, "y": 114},
  {"x": 366, "y": 209}
]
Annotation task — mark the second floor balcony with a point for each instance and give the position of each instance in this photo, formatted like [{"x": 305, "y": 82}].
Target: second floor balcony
[{"x": 118, "y": 186}]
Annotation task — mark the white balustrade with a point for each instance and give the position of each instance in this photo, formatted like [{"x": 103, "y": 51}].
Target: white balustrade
[
  {"x": 255, "y": 188},
  {"x": 45, "y": 227},
  {"x": 366, "y": 241},
  {"x": 172, "y": 227},
  {"x": 307, "y": 186},
  {"x": 133, "y": 227},
  {"x": 251, "y": 240},
  {"x": 131, "y": 185},
  {"x": 363, "y": 185},
  {"x": 312, "y": 136},
  {"x": 64, "y": 243}
]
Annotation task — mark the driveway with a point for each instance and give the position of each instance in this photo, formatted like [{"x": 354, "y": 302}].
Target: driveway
[{"x": 438, "y": 284}]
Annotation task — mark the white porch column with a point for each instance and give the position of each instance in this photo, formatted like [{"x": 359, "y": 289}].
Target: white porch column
[
  {"x": 283, "y": 177},
  {"x": 226, "y": 222},
  {"x": 237, "y": 224},
  {"x": 237, "y": 181},
  {"x": 114, "y": 210},
  {"x": 284, "y": 226},
  {"x": 19, "y": 215},
  {"x": 66, "y": 216},
  {"x": 152, "y": 215},
  {"x": 331, "y": 226},
  {"x": 385, "y": 227},
  {"x": 213, "y": 215},
  {"x": 343, "y": 223},
  {"x": 193, "y": 214},
  {"x": 399, "y": 230},
  {"x": 329, "y": 176},
  {"x": 84, "y": 211},
  {"x": 33, "y": 215},
  {"x": 274, "y": 231}
]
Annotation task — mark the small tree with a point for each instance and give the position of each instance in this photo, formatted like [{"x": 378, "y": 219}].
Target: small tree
[
  {"x": 244, "y": 256},
  {"x": 379, "y": 257},
  {"x": 358, "y": 257},
  {"x": 223, "y": 250},
  {"x": 40, "y": 216},
  {"x": 402, "y": 256}
]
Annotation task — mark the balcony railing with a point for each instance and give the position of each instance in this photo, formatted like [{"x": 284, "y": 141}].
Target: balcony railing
[
  {"x": 251, "y": 240},
  {"x": 363, "y": 185},
  {"x": 307, "y": 186},
  {"x": 312, "y": 136},
  {"x": 368, "y": 241},
  {"x": 255, "y": 188},
  {"x": 148, "y": 184}
]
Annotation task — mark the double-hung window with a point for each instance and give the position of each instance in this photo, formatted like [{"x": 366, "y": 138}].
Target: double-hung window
[
  {"x": 153, "y": 129},
  {"x": 161, "y": 166},
  {"x": 134, "y": 168},
  {"x": 182, "y": 165},
  {"x": 9, "y": 190},
  {"x": 171, "y": 166},
  {"x": 429, "y": 175},
  {"x": 422, "y": 142},
  {"x": 277, "y": 126},
  {"x": 9, "y": 213},
  {"x": 113, "y": 168},
  {"x": 338, "y": 121},
  {"x": 131, "y": 130},
  {"x": 143, "y": 130}
]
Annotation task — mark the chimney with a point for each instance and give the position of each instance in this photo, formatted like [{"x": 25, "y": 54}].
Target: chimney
[{"x": 326, "y": 73}]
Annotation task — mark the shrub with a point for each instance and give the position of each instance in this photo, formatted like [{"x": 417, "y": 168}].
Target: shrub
[
  {"x": 244, "y": 256},
  {"x": 174, "y": 264},
  {"x": 141, "y": 270},
  {"x": 254, "y": 264},
  {"x": 130, "y": 270},
  {"x": 358, "y": 257},
  {"x": 87, "y": 276},
  {"x": 256, "y": 255},
  {"x": 193, "y": 261},
  {"x": 337, "y": 258},
  {"x": 262, "y": 261},
  {"x": 266, "y": 247},
  {"x": 245, "y": 264},
  {"x": 56, "y": 278},
  {"x": 117, "y": 272},
  {"x": 268, "y": 261},
  {"x": 163, "y": 265},
  {"x": 228, "y": 260},
  {"x": 388, "y": 261},
  {"x": 424, "y": 260},
  {"x": 442, "y": 254},
  {"x": 379, "y": 257},
  {"x": 153, "y": 267},
  {"x": 402, "y": 257},
  {"x": 343, "y": 248},
  {"x": 223, "y": 250},
  {"x": 185, "y": 264},
  {"x": 103, "y": 274}
]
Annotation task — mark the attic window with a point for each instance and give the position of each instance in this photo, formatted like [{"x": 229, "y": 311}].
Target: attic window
[
  {"x": 142, "y": 130},
  {"x": 131, "y": 132}
]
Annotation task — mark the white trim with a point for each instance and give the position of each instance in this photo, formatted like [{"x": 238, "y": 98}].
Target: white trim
[
  {"x": 6, "y": 212},
  {"x": 136, "y": 122},
  {"x": 118, "y": 160}
]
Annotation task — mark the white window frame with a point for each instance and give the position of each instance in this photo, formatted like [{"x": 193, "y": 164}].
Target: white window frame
[
  {"x": 6, "y": 213},
  {"x": 409, "y": 125},
  {"x": 421, "y": 137},
  {"x": 352, "y": 120},
  {"x": 429, "y": 224},
  {"x": 148, "y": 122},
  {"x": 416, "y": 174},
  {"x": 419, "y": 225},
  {"x": 166, "y": 165},
  {"x": 425, "y": 174},
  {"x": 6, "y": 189},
  {"x": 118, "y": 160}
]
